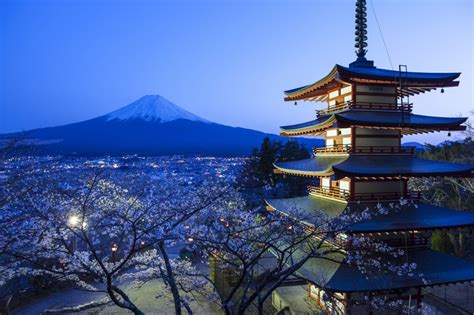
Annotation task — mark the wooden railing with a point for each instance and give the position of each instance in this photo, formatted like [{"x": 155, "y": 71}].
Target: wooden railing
[
  {"x": 411, "y": 241},
  {"x": 385, "y": 196},
  {"x": 405, "y": 107},
  {"x": 329, "y": 192},
  {"x": 381, "y": 150},
  {"x": 342, "y": 194},
  {"x": 345, "y": 148},
  {"x": 337, "y": 148}
]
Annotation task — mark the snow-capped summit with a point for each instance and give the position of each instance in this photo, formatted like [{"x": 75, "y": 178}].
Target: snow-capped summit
[{"x": 154, "y": 108}]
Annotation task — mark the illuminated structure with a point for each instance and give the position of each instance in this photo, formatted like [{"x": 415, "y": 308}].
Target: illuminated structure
[{"x": 364, "y": 164}]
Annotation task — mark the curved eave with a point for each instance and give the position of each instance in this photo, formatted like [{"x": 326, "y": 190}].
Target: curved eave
[
  {"x": 307, "y": 209},
  {"x": 415, "y": 216},
  {"x": 289, "y": 171},
  {"x": 412, "y": 216},
  {"x": 437, "y": 269},
  {"x": 413, "y": 82},
  {"x": 313, "y": 90},
  {"x": 315, "y": 167},
  {"x": 368, "y": 166},
  {"x": 313, "y": 127},
  {"x": 414, "y": 122},
  {"x": 421, "y": 79}
]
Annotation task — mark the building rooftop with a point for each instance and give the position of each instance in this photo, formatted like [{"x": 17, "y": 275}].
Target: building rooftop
[
  {"x": 411, "y": 216},
  {"x": 436, "y": 268},
  {"x": 319, "y": 166},
  {"x": 373, "y": 166},
  {"x": 410, "y": 123},
  {"x": 412, "y": 82},
  {"x": 385, "y": 166}
]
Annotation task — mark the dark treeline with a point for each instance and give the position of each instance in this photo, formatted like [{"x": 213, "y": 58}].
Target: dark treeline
[
  {"x": 258, "y": 178},
  {"x": 449, "y": 192}
]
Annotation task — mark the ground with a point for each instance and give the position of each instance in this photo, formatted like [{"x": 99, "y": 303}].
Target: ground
[{"x": 145, "y": 298}]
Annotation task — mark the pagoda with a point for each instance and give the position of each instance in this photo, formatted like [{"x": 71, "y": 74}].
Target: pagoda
[{"x": 363, "y": 164}]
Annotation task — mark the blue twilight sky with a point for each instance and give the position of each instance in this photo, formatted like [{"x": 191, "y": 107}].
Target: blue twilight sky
[{"x": 228, "y": 61}]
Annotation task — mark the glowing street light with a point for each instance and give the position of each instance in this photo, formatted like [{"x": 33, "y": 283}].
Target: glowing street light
[
  {"x": 114, "y": 252},
  {"x": 73, "y": 220}
]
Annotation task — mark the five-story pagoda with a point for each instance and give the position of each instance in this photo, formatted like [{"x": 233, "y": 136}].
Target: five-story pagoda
[{"x": 363, "y": 163}]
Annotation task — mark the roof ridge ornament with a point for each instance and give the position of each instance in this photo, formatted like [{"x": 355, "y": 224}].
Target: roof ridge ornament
[
  {"x": 361, "y": 36},
  {"x": 361, "y": 28}
]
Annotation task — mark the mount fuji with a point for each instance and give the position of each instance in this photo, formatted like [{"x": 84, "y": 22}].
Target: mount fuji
[{"x": 152, "y": 125}]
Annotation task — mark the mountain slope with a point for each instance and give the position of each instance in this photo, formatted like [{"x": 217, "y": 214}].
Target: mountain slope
[
  {"x": 151, "y": 126},
  {"x": 152, "y": 108}
]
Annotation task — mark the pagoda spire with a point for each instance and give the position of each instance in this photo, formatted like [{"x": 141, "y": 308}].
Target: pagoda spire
[
  {"x": 361, "y": 36},
  {"x": 361, "y": 28}
]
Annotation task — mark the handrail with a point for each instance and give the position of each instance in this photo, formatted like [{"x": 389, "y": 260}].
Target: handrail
[
  {"x": 380, "y": 196},
  {"x": 404, "y": 107},
  {"x": 337, "y": 148},
  {"x": 329, "y": 192},
  {"x": 382, "y": 149},
  {"x": 410, "y": 242},
  {"x": 377, "y": 196},
  {"x": 346, "y": 148}
]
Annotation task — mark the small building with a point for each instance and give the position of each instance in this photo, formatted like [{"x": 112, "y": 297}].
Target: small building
[{"x": 362, "y": 164}]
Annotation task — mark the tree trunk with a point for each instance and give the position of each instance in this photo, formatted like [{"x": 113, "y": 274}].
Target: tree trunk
[
  {"x": 457, "y": 239},
  {"x": 5, "y": 308},
  {"x": 170, "y": 278},
  {"x": 260, "y": 306},
  {"x": 126, "y": 303}
]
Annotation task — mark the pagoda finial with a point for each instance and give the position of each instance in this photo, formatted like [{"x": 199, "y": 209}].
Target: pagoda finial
[
  {"x": 361, "y": 35},
  {"x": 361, "y": 28}
]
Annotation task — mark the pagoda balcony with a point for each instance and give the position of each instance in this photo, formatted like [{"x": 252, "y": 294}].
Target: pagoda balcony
[
  {"x": 334, "y": 149},
  {"x": 385, "y": 196},
  {"x": 347, "y": 149},
  {"x": 402, "y": 108},
  {"x": 382, "y": 150},
  {"x": 411, "y": 241},
  {"x": 345, "y": 195},
  {"x": 329, "y": 192}
]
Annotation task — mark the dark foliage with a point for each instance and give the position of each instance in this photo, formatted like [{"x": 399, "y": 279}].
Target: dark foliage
[
  {"x": 258, "y": 180},
  {"x": 455, "y": 193}
]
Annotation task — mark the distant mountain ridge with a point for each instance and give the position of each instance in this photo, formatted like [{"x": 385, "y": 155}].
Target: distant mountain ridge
[
  {"x": 417, "y": 145},
  {"x": 152, "y": 125}
]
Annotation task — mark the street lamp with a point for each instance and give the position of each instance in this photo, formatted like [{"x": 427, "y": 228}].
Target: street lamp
[
  {"x": 114, "y": 252},
  {"x": 73, "y": 220}
]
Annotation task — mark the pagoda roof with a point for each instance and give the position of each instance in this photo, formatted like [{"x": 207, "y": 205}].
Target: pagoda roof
[
  {"x": 393, "y": 165},
  {"x": 320, "y": 166},
  {"x": 411, "y": 216},
  {"x": 412, "y": 82},
  {"x": 315, "y": 126},
  {"x": 374, "y": 166},
  {"x": 409, "y": 123},
  {"x": 336, "y": 275}
]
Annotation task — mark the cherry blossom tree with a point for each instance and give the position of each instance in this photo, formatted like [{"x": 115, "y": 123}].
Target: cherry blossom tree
[{"x": 95, "y": 235}]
